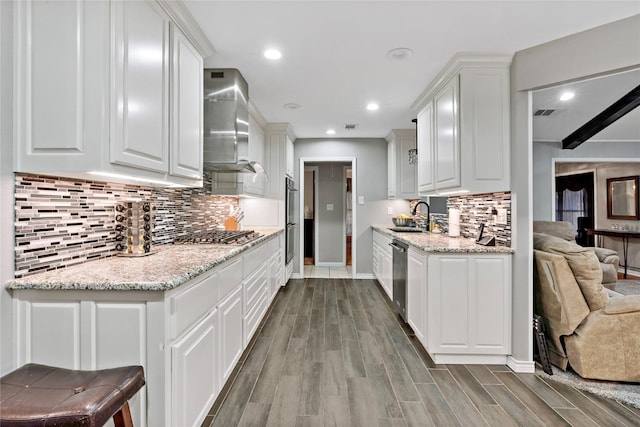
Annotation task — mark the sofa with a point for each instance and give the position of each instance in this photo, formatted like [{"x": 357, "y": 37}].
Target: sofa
[
  {"x": 597, "y": 335},
  {"x": 608, "y": 258}
]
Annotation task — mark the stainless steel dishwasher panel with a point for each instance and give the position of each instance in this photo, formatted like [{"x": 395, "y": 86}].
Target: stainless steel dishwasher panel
[{"x": 400, "y": 277}]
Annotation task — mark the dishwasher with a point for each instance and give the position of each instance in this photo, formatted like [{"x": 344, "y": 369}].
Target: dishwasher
[{"x": 400, "y": 277}]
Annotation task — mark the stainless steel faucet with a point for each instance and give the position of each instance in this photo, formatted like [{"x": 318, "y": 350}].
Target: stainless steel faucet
[{"x": 415, "y": 210}]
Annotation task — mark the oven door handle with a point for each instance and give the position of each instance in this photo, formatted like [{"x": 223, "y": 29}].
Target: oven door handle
[
  {"x": 397, "y": 248},
  {"x": 291, "y": 225}
]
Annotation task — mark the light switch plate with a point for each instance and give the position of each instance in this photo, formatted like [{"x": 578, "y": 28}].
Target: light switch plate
[
  {"x": 361, "y": 200},
  {"x": 390, "y": 210},
  {"x": 330, "y": 206}
]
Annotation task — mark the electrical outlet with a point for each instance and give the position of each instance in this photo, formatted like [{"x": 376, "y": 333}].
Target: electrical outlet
[
  {"x": 361, "y": 200},
  {"x": 389, "y": 210},
  {"x": 501, "y": 218},
  {"x": 330, "y": 206}
]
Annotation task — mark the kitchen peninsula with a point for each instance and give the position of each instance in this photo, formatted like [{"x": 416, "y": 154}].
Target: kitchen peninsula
[
  {"x": 185, "y": 313},
  {"x": 458, "y": 294}
]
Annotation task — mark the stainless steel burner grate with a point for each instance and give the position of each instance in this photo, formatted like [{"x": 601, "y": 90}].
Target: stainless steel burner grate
[{"x": 219, "y": 237}]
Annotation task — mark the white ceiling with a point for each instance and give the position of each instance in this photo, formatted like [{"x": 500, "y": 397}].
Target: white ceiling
[
  {"x": 591, "y": 97},
  {"x": 334, "y": 60}
]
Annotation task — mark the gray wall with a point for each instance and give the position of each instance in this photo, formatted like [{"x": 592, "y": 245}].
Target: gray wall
[
  {"x": 331, "y": 238},
  {"x": 608, "y": 48},
  {"x": 6, "y": 186},
  {"x": 370, "y": 182},
  {"x": 543, "y": 173}
]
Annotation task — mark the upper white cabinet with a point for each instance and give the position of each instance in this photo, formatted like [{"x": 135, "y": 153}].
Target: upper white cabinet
[
  {"x": 278, "y": 160},
  {"x": 463, "y": 127},
  {"x": 402, "y": 175},
  {"x": 426, "y": 176},
  {"x": 185, "y": 140},
  {"x": 107, "y": 89}
]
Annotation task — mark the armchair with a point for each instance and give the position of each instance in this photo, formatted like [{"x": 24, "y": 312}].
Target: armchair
[
  {"x": 608, "y": 258},
  {"x": 598, "y": 336}
]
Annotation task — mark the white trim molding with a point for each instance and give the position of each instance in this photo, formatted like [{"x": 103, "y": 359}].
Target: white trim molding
[{"x": 521, "y": 366}]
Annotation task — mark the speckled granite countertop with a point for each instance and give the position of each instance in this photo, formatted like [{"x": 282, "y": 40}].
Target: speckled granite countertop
[
  {"x": 171, "y": 266},
  {"x": 432, "y": 242}
]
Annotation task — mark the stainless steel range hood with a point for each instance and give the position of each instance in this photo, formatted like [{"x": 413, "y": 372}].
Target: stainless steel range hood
[{"x": 226, "y": 122}]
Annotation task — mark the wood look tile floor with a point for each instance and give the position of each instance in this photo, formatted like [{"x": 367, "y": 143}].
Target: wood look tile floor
[{"x": 332, "y": 353}]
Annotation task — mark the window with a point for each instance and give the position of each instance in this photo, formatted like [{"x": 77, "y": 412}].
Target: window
[{"x": 574, "y": 198}]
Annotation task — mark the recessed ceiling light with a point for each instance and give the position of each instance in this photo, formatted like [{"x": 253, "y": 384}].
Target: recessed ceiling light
[
  {"x": 372, "y": 106},
  {"x": 399, "y": 54},
  {"x": 567, "y": 96},
  {"x": 331, "y": 132},
  {"x": 272, "y": 54},
  {"x": 292, "y": 106}
]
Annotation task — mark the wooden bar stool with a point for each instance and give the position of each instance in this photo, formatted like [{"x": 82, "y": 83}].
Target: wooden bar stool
[{"x": 39, "y": 395}]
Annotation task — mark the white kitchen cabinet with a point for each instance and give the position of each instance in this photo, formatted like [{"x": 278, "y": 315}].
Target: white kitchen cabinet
[
  {"x": 195, "y": 380},
  {"x": 122, "y": 71},
  {"x": 469, "y": 307},
  {"x": 185, "y": 158},
  {"x": 289, "y": 155},
  {"x": 231, "y": 335},
  {"x": 188, "y": 339},
  {"x": 383, "y": 261},
  {"x": 417, "y": 293},
  {"x": 278, "y": 158},
  {"x": 463, "y": 127},
  {"x": 402, "y": 175},
  {"x": 426, "y": 164},
  {"x": 140, "y": 91}
]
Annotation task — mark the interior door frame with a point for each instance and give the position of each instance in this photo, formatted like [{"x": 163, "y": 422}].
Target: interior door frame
[{"x": 303, "y": 161}]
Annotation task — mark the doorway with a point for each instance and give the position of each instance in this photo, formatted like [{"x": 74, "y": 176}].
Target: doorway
[{"x": 332, "y": 212}]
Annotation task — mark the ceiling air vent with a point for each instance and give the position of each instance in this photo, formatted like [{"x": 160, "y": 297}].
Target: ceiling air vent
[
  {"x": 542, "y": 113},
  {"x": 351, "y": 126}
]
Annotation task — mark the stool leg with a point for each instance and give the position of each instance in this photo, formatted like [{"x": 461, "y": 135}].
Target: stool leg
[{"x": 122, "y": 418}]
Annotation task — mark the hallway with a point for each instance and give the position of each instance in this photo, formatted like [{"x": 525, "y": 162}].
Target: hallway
[{"x": 331, "y": 352}]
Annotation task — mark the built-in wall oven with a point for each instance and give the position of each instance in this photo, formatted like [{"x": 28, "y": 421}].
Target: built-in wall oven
[{"x": 290, "y": 222}]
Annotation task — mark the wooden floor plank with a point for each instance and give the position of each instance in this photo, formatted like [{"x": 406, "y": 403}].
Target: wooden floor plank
[
  {"x": 315, "y": 346},
  {"x": 621, "y": 412},
  {"x": 542, "y": 389},
  {"x": 576, "y": 417},
  {"x": 360, "y": 398},
  {"x": 335, "y": 381},
  {"x": 415, "y": 414},
  {"x": 312, "y": 389},
  {"x": 530, "y": 399},
  {"x": 459, "y": 402},
  {"x": 317, "y": 319},
  {"x": 513, "y": 407},
  {"x": 284, "y": 409},
  {"x": 332, "y": 336},
  {"x": 337, "y": 412},
  {"x": 370, "y": 351},
  {"x": 308, "y": 421},
  {"x": 384, "y": 396},
  {"x": 483, "y": 374},
  {"x": 496, "y": 416},
  {"x": 255, "y": 414},
  {"x": 472, "y": 387},
  {"x": 414, "y": 363},
  {"x": 592, "y": 409},
  {"x": 402, "y": 383},
  {"x": 353, "y": 362},
  {"x": 231, "y": 410},
  {"x": 437, "y": 405},
  {"x": 294, "y": 357},
  {"x": 256, "y": 357}
]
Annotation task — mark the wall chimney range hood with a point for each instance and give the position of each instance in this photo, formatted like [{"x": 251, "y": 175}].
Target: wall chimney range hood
[{"x": 226, "y": 122}]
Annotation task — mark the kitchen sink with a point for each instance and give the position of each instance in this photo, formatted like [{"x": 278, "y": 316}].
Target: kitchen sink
[{"x": 406, "y": 229}]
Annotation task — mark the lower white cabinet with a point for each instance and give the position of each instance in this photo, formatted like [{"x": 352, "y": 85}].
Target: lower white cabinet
[
  {"x": 459, "y": 305},
  {"x": 383, "y": 261},
  {"x": 188, "y": 339},
  {"x": 195, "y": 380},
  {"x": 230, "y": 331},
  {"x": 417, "y": 293}
]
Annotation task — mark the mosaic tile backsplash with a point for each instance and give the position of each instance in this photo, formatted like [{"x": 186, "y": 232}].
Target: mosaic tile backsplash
[
  {"x": 474, "y": 210},
  {"x": 61, "y": 222}
]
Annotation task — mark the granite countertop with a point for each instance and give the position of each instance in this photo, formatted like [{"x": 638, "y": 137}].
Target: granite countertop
[
  {"x": 438, "y": 242},
  {"x": 169, "y": 267}
]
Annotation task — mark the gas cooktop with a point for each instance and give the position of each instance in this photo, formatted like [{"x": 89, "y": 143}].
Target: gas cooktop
[{"x": 219, "y": 237}]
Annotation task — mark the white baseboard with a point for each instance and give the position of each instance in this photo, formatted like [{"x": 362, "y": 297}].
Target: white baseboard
[
  {"x": 364, "y": 276},
  {"x": 330, "y": 264},
  {"x": 469, "y": 359},
  {"x": 524, "y": 366}
]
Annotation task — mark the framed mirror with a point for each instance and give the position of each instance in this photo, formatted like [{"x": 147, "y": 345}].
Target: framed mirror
[{"x": 622, "y": 198}]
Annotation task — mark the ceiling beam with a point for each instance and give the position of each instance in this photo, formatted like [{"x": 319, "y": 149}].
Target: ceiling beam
[{"x": 612, "y": 113}]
